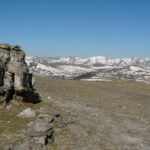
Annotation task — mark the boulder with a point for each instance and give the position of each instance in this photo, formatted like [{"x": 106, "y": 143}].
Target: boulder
[
  {"x": 14, "y": 74},
  {"x": 40, "y": 132},
  {"x": 27, "y": 113}
]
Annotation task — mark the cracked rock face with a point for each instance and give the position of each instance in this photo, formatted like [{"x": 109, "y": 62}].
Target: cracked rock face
[{"x": 14, "y": 74}]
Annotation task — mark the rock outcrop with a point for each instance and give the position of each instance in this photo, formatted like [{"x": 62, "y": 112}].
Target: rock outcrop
[
  {"x": 14, "y": 74},
  {"x": 39, "y": 134}
]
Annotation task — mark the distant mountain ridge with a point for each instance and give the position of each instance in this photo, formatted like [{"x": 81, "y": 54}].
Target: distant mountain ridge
[{"x": 92, "y": 68}]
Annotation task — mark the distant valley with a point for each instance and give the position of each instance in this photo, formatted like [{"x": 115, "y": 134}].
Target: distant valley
[{"x": 97, "y": 68}]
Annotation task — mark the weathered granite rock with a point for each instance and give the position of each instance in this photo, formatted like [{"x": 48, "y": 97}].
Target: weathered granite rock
[
  {"x": 39, "y": 133},
  {"x": 40, "y": 129},
  {"x": 27, "y": 113},
  {"x": 14, "y": 74}
]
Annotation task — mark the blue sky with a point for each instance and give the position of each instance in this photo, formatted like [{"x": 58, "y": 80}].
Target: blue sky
[{"x": 113, "y": 28}]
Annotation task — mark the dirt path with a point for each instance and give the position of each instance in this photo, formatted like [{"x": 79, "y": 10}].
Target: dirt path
[{"x": 98, "y": 128}]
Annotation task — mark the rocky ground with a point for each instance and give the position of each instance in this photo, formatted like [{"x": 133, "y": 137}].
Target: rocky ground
[{"x": 90, "y": 115}]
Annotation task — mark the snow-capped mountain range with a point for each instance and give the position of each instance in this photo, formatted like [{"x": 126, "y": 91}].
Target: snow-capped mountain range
[{"x": 91, "y": 69}]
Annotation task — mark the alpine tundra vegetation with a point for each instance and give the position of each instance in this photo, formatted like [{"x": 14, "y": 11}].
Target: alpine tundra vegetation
[{"x": 72, "y": 114}]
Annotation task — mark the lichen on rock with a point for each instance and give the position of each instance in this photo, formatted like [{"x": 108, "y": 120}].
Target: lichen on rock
[{"x": 14, "y": 74}]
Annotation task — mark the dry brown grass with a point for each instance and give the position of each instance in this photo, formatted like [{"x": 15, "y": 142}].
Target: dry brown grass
[
  {"x": 115, "y": 114},
  {"x": 124, "y": 103}
]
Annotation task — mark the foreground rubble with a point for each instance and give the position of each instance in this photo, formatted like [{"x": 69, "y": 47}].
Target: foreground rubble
[{"x": 39, "y": 132}]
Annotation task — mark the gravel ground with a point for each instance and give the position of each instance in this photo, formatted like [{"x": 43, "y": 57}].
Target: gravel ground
[{"x": 101, "y": 115}]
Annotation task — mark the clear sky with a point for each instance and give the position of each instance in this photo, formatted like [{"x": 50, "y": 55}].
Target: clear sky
[{"x": 113, "y": 28}]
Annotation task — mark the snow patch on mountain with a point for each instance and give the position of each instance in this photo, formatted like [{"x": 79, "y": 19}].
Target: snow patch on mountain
[
  {"x": 134, "y": 68},
  {"x": 93, "y": 68},
  {"x": 46, "y": 68}
]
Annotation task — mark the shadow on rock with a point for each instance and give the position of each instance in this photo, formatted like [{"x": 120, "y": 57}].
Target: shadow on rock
[{"x": 29, "y": 97}]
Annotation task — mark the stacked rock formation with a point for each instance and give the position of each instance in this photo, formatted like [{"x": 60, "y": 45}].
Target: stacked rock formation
[
  {"x": 14, "y": 74},
  {"x": 39, "y": 133}
]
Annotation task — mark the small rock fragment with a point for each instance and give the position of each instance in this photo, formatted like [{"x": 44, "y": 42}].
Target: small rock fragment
[{"x": 27, "y": 113}]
